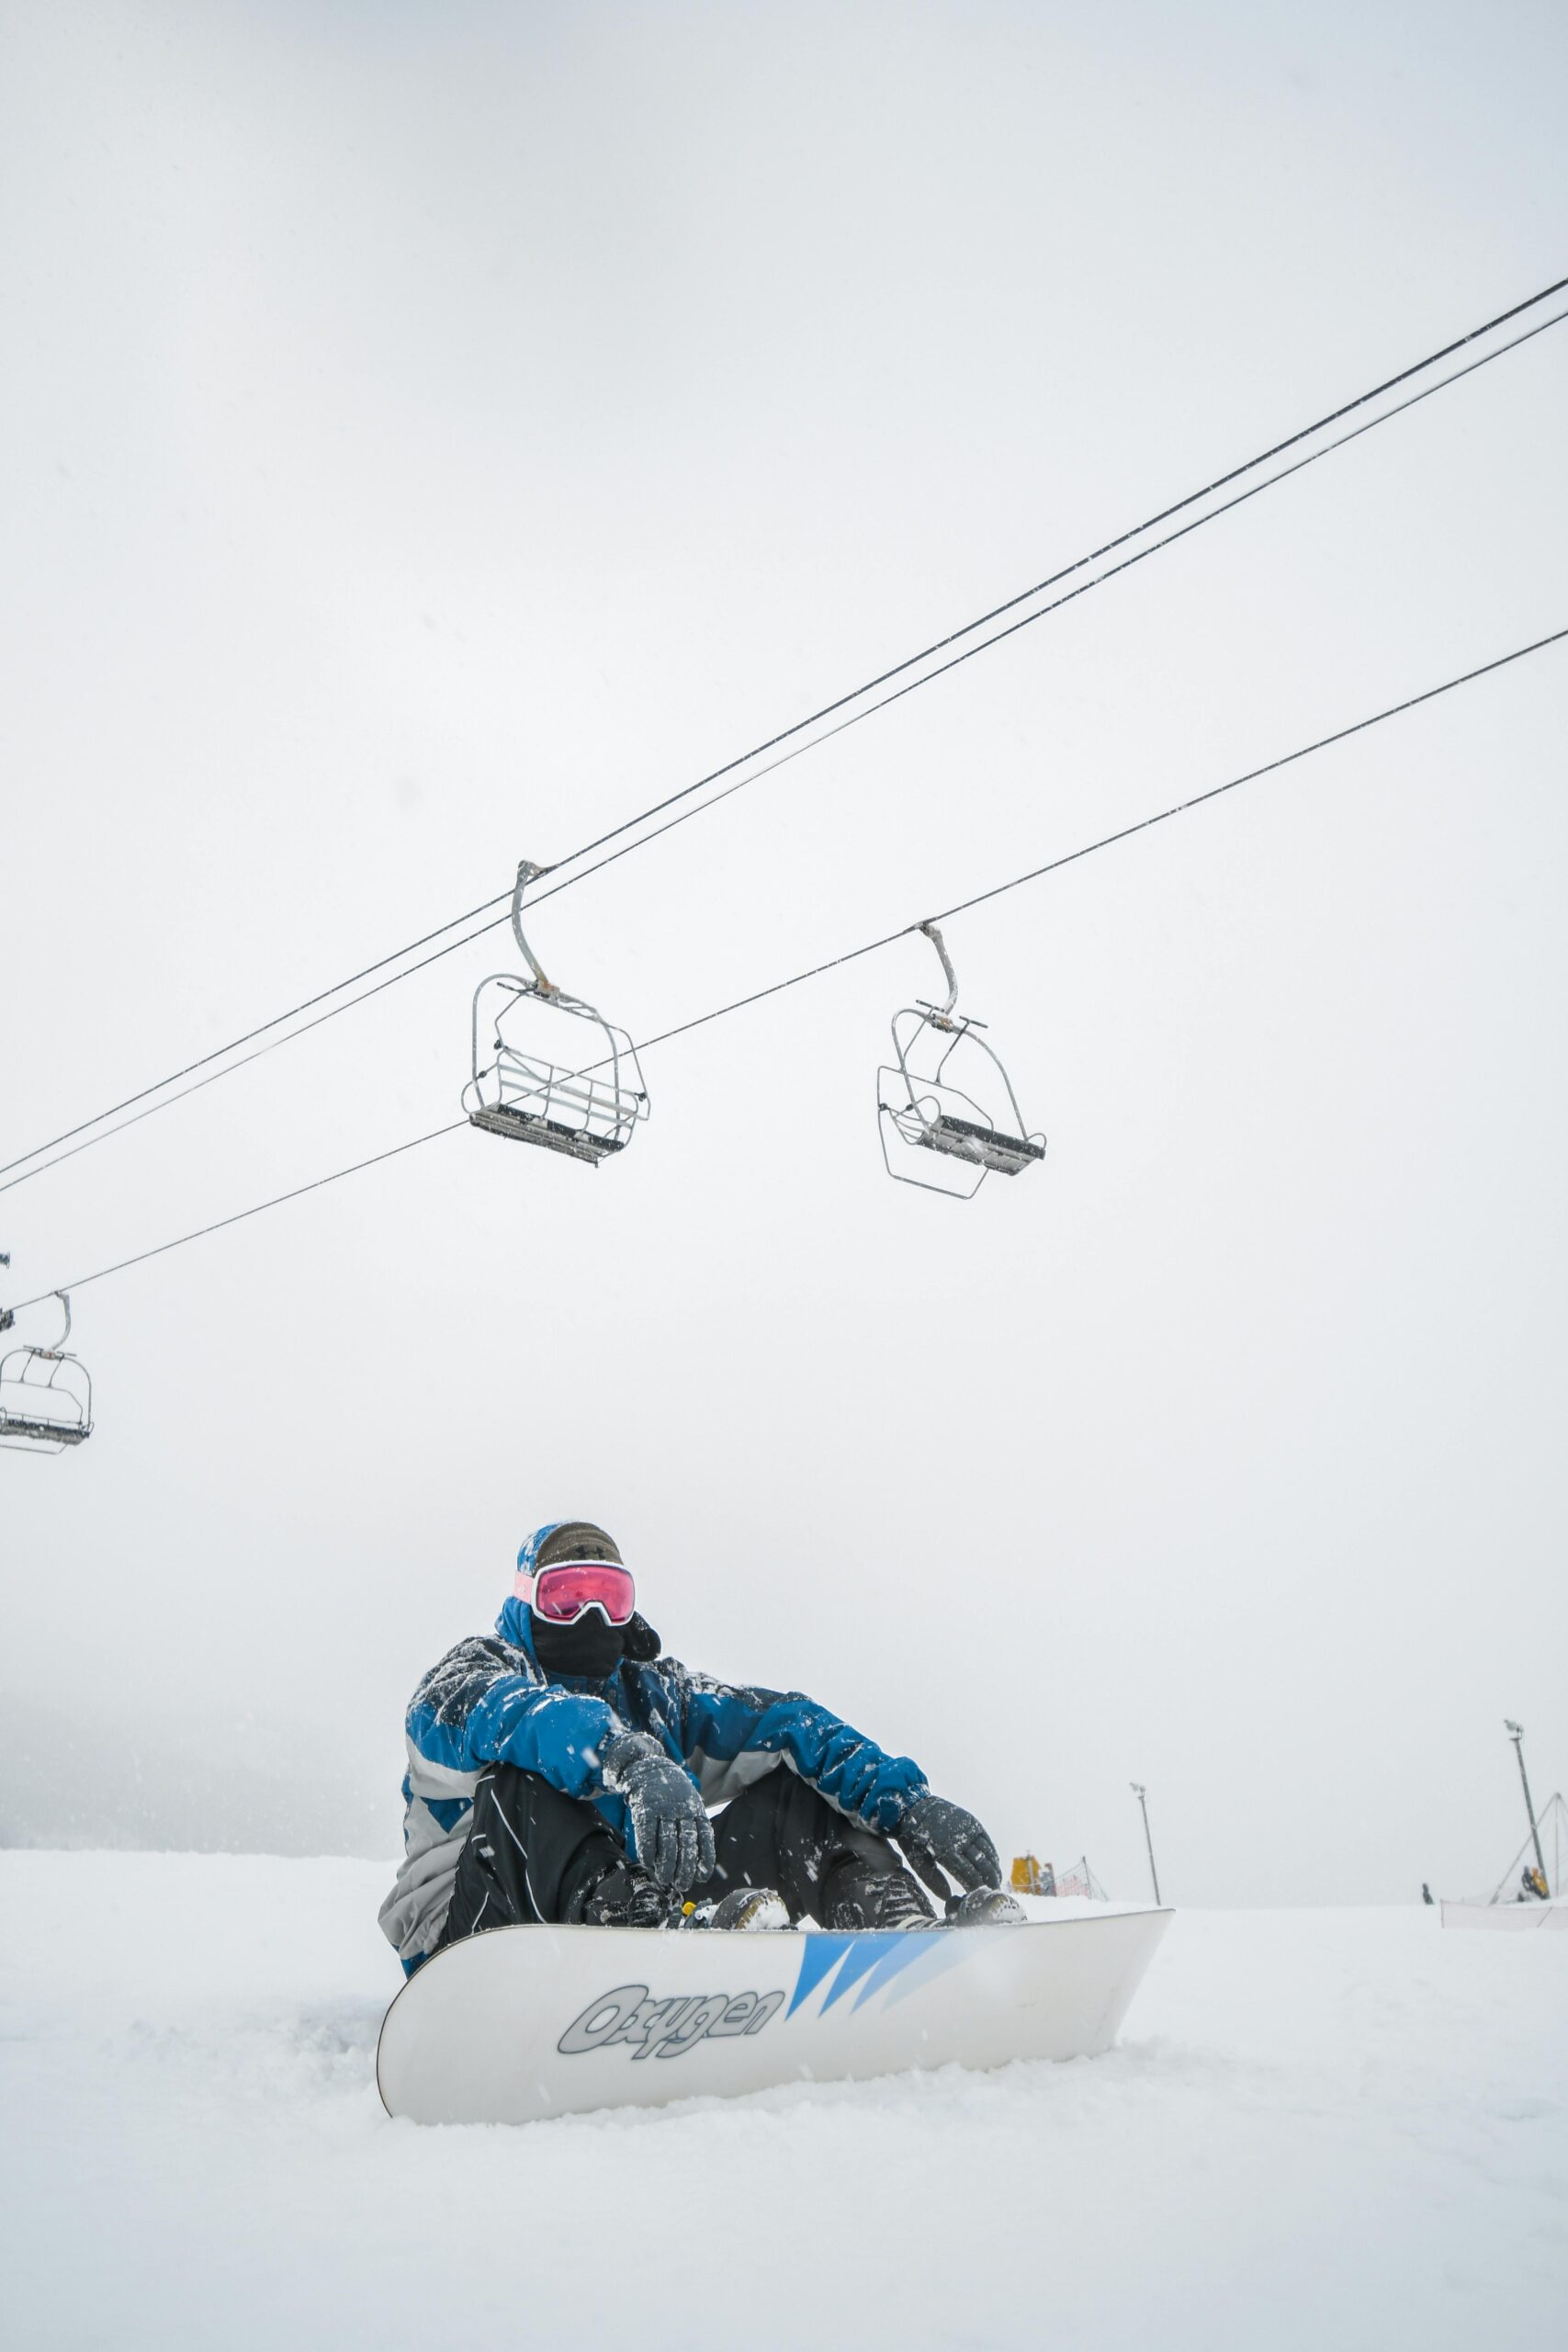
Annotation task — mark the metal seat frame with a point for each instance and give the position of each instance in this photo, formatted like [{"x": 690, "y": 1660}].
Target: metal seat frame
[
  {"x": 929, "y": 1113},
  {"x": 67, "y": 1383},
  {"x": 587, "y": 1110}
]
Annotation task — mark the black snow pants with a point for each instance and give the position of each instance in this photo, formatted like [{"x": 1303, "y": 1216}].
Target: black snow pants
[{"x": 525, "y": 1839}]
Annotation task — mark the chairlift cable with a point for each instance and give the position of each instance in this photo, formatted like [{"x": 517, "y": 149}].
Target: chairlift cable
[
  {"x": 235, "y": 1043},
  {"x": 1106, "y": 841},
  {"x": 796, "y": 979},
  {"x": 814, "y": 719},
  {"x": 258, "y": 1208},
  {"x": 1152, "y": 523},
  {"x": 1297, "y": 466}
]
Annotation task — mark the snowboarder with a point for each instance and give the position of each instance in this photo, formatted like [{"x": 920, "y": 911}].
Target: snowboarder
[{"x": 561, "y": 1770}]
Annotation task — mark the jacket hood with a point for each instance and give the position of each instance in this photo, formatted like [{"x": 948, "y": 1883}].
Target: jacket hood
[
  {"x": 512, "y": 1625},
  {"x": 532, "y": 1545}
]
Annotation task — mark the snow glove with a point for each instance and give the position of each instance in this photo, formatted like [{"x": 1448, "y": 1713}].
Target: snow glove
[
  {"x": 671, "y": 1835},
  {"x": 938, "y": 1836}
]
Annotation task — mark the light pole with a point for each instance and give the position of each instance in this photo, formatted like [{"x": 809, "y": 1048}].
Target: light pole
[
  {"x": 1517, "y": 1733},
  {"x": 1142, "y": 1795}
]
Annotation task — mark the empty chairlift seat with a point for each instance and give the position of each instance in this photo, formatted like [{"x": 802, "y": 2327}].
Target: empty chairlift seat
[
  {"x": 548, "y": 1069},
  {"x": 946, "y": 1094},
  {"x": 46, "y": 1395}
]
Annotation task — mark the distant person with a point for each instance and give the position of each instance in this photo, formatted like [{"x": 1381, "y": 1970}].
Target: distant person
[
  {"x": 561, "y": 1770},
  {"x": 1426, "y": 1892}
]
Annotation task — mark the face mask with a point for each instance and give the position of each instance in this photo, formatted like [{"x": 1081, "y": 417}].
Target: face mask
[{"x": 591, "y": 1647}]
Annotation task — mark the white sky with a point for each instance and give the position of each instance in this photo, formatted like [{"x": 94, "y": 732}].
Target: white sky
[{"x": 427, "y": 436}]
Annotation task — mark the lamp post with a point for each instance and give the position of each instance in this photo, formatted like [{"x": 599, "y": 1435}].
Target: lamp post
[
  {"x": 1517, "y": 1733},
  {"x": 1142, "y": 1795}
]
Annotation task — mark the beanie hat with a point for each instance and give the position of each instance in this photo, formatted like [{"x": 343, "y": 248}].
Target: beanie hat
[{"x": 563, "y": 1539}]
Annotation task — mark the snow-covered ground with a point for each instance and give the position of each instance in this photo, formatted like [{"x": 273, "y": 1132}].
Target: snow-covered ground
[{"x": 1332, "y": 2129}]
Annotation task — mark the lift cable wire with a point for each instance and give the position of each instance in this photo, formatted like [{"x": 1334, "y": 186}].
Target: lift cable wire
[
  {"x": 1106, "y": 841},
  {"x": 871, "y": 947},
  {"x": 815, "y": 719},
  {"x": 1220, "y": 481},
  {"x": 1126, "y": 563}
]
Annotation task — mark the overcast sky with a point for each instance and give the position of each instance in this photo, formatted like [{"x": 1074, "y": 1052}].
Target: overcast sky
[{"x": 428, "y": 435}]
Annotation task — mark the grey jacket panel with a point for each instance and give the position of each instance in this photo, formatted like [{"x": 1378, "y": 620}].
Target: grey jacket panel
[{"x": 415, "y": 1913}]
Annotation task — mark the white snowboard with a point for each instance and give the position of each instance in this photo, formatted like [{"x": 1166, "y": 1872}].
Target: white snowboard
[{"x": 529, "y": 2023}]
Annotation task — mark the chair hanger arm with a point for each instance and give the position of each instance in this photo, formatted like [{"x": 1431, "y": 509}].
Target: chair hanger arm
[
  {"x": 944, "y": 1018},
  {"x": 528, "y": 872}
]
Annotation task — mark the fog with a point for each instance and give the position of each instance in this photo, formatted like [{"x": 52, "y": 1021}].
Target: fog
[{"x": 430, "y": 437}]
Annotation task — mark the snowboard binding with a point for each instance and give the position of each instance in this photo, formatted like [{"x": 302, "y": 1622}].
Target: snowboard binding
[{"x": 745, "y": 1910}]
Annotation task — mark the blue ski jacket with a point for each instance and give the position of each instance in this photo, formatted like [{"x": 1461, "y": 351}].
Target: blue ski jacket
[{"x": 489, "y": 1700}]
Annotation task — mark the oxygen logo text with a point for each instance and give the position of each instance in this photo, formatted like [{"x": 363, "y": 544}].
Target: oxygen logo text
[{"x": 627, "y": 2018}]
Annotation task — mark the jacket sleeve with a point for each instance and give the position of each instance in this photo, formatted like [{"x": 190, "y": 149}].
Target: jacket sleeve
[
  {"x": 474, "y": 1711},
  {"x": 733, "y": 1735}
]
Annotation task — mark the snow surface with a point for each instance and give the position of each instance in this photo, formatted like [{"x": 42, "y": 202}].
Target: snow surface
[{"x": 1322, "y": 2128}]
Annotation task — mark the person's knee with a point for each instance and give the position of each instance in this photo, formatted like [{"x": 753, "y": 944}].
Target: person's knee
[
  {"x": 810, "y": 1822},
  {"x": 854, "y": 1837},
  {"x": 521, "y": 1796},
  {"x": 525, "y": 1839},
  {"x": 501, "y": 1782},
  {"x": 781, "y": 1832}
]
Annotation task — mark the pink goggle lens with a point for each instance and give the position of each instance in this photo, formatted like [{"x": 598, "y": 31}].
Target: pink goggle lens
[{"x": 561, "y": 1594}]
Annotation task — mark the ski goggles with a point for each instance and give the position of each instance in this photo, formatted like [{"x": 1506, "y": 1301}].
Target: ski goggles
[{"x": 563, "y": 1594}]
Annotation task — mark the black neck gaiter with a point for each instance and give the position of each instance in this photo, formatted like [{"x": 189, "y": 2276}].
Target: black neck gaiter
[{"x": 590, "y": 1649}]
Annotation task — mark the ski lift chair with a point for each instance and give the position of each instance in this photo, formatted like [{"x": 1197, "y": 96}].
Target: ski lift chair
[
  {"x": 46, "y": 1395},
  {"x": 522, "y": 1089},
  {"x": 933, "y": 1099}
]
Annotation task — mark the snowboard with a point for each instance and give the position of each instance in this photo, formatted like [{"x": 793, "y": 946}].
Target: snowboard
[{"x": 523, "y": 2023}]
